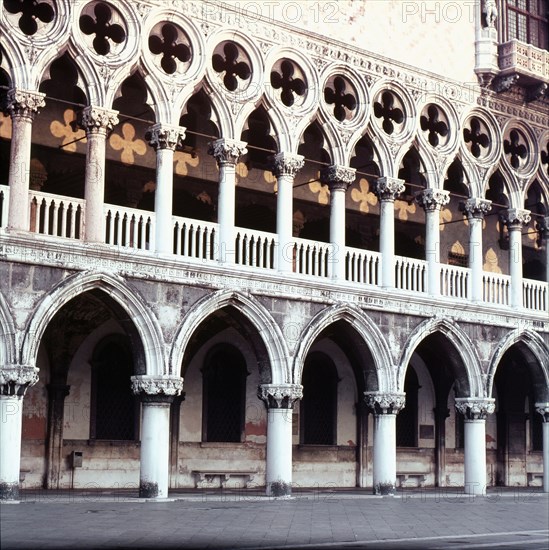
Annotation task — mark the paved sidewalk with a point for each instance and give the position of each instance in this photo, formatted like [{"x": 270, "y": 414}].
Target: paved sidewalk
[{"x": 312, "y": 519}]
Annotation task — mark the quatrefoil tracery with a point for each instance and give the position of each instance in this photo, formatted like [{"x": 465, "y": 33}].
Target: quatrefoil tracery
[
  {"x": 515, "y": 149},
  {"x": 168, "y": 43},
  {"x": 287, "y": 79},
  {"x": 232, "y": 65},
  {"x": 434, "y": 125},
  {"x": 31, "y": 11},
  {"x": 344, "y": 102},
  {"x": 477, "y": 138},
  {"x": 390, "y": 114},
  {"x": 103, "y": 28}
]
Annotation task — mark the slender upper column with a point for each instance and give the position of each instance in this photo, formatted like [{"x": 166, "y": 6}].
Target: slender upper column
[
  {"x": 279, "y": 400},
  {"x": 157, "y": 394},
  {"x": 387, "y": 190},
  {"x": 432, "y": 200},
  {"x": 475, "y": 210},
  {"x": 338, "y": 178},
  {"x": 543, "y": 409},
  {"x": 385, "y": 406},
  {"x": 97, "y": 122},
  {"x": 14, "y": 382},
  {"x": 226, "y": 152},
  {"x": 285, "y": 168},
  {"x": 164, "y": 138},
  {"x": 514, "y": 219},
  {"x": 22, "y": 106},
  {"x": 475, "y": 411}
]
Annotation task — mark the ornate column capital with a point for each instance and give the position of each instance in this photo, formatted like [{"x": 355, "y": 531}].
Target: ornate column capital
[
  {"x": 514, "y": 218},
  {"x": 280, "y": 396},
  {"x": 543, "y": 409},
  {"x": 165, "y": 136},
  {"x": 227, "y": 151},
  {"x": 97, "y": 120},
  {"x": 287, "y": 164},
  {"x": 432, "y": 199},
  {"x": 385, "y": 402},
  {"x": 388, "y": 189},
  {"x": 338, "y": 177},
  {"x": 475, "y": 408},
  {"x": 15, "y": 379},
  {"x": 477, "y": 208},
  {"x": 160, "y": 388},
  {"x": 24, "y": 103}
]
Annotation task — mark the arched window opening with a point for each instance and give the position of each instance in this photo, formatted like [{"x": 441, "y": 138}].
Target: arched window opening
[
  {"x": 319, "y": 403},
  {"x": 224, "y": 397},
  {"x": 406, "y": 424},
  {"x": 114, "y": 408}
]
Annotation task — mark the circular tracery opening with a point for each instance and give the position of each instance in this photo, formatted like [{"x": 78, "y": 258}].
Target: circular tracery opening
[
  {"x": 171, "y": 48},
  {"x": 340, "y": 93},
  {"x": 233, "y": 65},
  {"x": 289, "y": 81},
  {"x": 434, "y": 123},
  {"x": 31, "y": 15},
  {"x": 477, "y": 137},
  {"x": 106, "y": 24},
  {"x": 515, "y": 147},
  {"x": 389, "y": 110}
]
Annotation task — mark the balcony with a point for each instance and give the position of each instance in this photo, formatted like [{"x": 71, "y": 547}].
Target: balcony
[
  {"x": 530, "y": 65},
  {"x": 128, "y": 229}
]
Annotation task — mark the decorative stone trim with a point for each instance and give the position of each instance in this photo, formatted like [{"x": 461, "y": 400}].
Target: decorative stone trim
[
  {"x": 432, "y": 199},
  {"x": 227, "y": 151},
  {"x": 477, "y": 208},
  {"x": 15, "y": 379},
  {"x": 280, "y": 396},
  {"x": 388, "y": 189},
  {"x": 385, "y": 402},
  {"x": 338, "y": 177},
  {"x": 543, "y": 409},
  {"x": 287, "y": 164},
  {"x": 97, "y": 120},
  {"x": 515, "y": 218},
  {"x": 157, "y": 388},
  {"x": 475, "y": 408},
  {"x": 24, "y": 103},
  {"x": 165, "y": 136}
]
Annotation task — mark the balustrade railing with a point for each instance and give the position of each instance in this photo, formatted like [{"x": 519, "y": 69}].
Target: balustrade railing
[
  {"x": 55, "y": 215},
  {"x": 255, "y": 248},
  {"x": 534, "y": 295},
  {"x": 362, "y": 266},
  {"x": 454, "y": 281},
  {"x": 496, "y": 288},
  {"x": 4, "y": 201},
  {"x": 312, "y": 258},
  {"x": 195, "y": 238},
  {"x": 410, "y": 274},
  {"x": 129, "y": 227}
]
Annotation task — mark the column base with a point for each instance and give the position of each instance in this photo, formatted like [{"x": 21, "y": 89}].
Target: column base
[
  {"x": 279, "y": 489},
  {"x": 148, "y": 489},
  {"x": 9, "y": 491},
  {"x": 385, "y": 489}
]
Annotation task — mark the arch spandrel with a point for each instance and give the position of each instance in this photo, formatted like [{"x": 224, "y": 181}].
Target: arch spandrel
[{"x": 7, "y": 334}]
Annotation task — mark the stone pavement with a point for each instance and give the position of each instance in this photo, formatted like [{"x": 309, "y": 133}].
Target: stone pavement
[{"x": 414, "y": 519}]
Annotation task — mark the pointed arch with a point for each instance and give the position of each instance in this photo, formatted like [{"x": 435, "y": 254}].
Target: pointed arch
[
  {"x": 460, "y": 341},
  {"x": 535, "y": 345},
  {"x": 253, "y": 311},
  {"x": 7, "y": 334},
  {"x": 363, "y": 325},
  {"x": 114, "y": 287}
]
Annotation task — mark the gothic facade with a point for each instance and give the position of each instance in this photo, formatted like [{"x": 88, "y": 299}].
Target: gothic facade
[{"x": 273, "y": 245}]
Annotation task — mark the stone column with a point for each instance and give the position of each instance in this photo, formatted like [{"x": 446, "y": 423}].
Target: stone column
[
  {"x": 475, "y": 409},
  {"x": 14, "y": 381},
  {"x": 226, "y": 152},
  {"x": 546, "y": 238},
  {"x": 285, "y": 168},
  {"x": 157, "y": 394},
  {"x": 97, "y": 122},
  {"x": 279, "y": 400},
  {"x": 431, "y": 200},
  {"x": 338, "y": 178},
  {"x": 441, "y": 414},
  {"x": 22, "y": 106},
  {"x": 175, "y": 416},
  {"x": 387, "y": 190},
  {"x": 475, "y": 210},
  {"x": 514, "y": 219},
  {"x": 54, "y": 442},
  {"x": 385, "y": 407},
  {"x": 543, "y": 409},
  {"x": 164, "y": 139}
]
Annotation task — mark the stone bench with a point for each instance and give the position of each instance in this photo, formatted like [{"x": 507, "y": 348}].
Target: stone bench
[
  {"x": 533, "y": 476},
  {"x": 204, "y": 478},
  {"x": 403, "y": 478},
  {"x": 23, "y": 475}
]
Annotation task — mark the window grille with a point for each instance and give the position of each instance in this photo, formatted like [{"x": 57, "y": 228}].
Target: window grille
[
  {"x": 455, "y": 258},
  {"x": 527, "y": 21}
]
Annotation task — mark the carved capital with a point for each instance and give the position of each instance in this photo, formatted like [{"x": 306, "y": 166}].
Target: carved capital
[
  {"x": 338, "y": 177},
  {"x": 227, "y": 151},
  {"x": 161, "y": 388},
  {"x": 514, "y": 218},
  {"x": 15, "y": 379},
  {"x": 385, "y": 402},
  {"x": 24, "y": 103},
  {"x": 477, "y": 208},
  {"x": 388, "y": 189},
  {"x": 432, "y": 199},
  {"x": 543, "y": 409},
  {"x": 287, "y": 164},
  {"x": 165, "y": 136},
  {"x": 280, "y": 396},
  {"x": 475, "y": 408},
  {"x": 97, "y": 120}
]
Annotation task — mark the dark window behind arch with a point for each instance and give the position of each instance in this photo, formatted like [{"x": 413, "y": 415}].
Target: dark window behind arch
[
  {"x": 319, "y": 403},
  {"x": 406, "y": 422},
  {"x": 224, "y": 395},
  {"x": 114, "y": 408}
]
